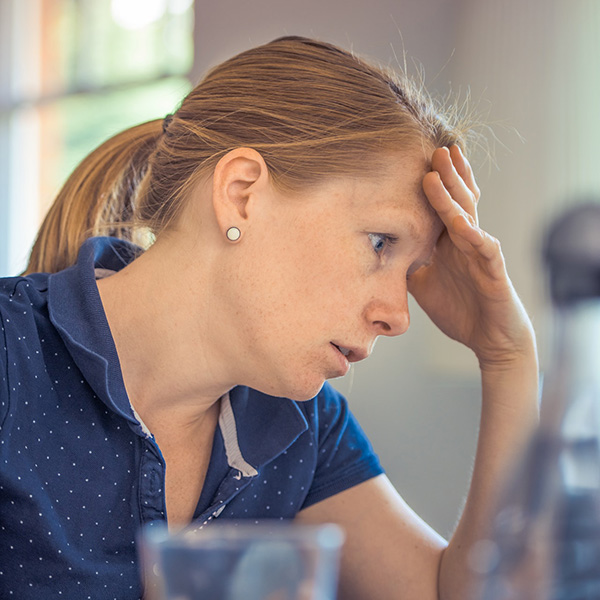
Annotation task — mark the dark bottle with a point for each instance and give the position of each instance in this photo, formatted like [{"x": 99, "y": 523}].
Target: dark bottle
[{"x": 545, "y": 543}]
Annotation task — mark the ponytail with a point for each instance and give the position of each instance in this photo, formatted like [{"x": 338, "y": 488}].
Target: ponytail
[{"x": 98, "y": 199}]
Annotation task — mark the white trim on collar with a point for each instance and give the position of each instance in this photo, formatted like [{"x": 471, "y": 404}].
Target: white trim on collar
[
  {"x": 230, "y": 439},
  {"x": 102, "y": 273}
]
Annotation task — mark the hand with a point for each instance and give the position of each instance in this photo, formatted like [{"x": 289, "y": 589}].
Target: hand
[{"x": 466, "y": 290}]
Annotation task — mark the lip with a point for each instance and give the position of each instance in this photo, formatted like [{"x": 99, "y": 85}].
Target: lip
[
  {"x": 344, "y": 363},
  {"x": 355, "y": 353}
]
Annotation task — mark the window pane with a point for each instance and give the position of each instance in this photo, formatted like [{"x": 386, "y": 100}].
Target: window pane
[
  {"x": 94, "y": 43},
  {"x": 74, "y": 126},
  {"x": 77, "y": 72}
]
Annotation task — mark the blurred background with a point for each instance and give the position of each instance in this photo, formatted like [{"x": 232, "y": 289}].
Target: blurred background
[{"x": 74, "y": 72}]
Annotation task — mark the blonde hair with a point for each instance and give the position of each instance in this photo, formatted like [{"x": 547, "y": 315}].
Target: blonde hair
[{"x": 311, "y": 109}]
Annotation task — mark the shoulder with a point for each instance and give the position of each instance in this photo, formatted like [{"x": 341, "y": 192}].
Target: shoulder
[
  {"x": 19, "y": 292},
  {"x": 19, "y": 297},
  {"x": 22, "y": 300},
  {"x": 330, "y": 417},
  {"x": 345, "y": 456}
]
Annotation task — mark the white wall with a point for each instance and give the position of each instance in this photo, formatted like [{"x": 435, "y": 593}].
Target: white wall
[{"x": 370, "y": 27}]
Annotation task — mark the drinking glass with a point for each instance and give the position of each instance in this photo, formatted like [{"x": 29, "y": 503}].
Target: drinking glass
[{"x": 238, "y": 561}]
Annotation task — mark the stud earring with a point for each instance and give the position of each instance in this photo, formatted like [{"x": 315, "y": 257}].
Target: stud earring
[{"x": 233, "y": 234}]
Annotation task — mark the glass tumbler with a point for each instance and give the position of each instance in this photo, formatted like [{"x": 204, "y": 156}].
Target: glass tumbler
[{"x": 238, "y": 561}]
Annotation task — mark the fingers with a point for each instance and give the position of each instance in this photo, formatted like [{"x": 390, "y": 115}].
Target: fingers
[
  {"x": 450, "y": 212},
  {"x": 444, "y": 203},
  {"x": 464, "y": 170},
  {"x": 457, "y": 177},
  {"x": 462, "y": 226},
  {"x": 480, "y": 243},
  {"x": 460, "y": 223}
]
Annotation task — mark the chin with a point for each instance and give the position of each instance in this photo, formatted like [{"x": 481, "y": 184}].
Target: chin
[
  {"x": 307, "y": 395},
  {"x": 299, "y": 391}
]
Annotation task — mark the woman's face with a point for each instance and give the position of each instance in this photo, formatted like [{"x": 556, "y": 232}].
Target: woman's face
[{"x": 316, "y": 278}]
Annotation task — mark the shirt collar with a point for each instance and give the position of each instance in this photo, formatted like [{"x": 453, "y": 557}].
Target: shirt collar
[
  {"x": 262, "y": 426},
  {"x": 76, "y": 311}
]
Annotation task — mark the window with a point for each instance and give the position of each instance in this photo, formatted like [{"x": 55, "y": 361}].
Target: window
[{"x": 74, "y": 73}]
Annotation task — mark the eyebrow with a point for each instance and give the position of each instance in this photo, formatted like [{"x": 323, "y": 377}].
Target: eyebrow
[{"x": 412, "y": 229}]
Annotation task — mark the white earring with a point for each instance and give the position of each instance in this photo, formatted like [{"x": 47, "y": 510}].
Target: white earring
[{"x": 233, "y": 234}]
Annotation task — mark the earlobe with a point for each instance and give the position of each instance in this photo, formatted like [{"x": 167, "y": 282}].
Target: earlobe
[{"x": 239, "y": 178}]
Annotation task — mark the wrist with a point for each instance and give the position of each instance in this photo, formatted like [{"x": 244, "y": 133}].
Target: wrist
[
  {"x": 509, "y": 362},
  {"x": 512, "y": 381},
  {"x": 517, "y": 355}
]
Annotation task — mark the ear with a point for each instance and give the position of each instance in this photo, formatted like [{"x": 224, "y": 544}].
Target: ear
[{"x": 238, "y": 180}]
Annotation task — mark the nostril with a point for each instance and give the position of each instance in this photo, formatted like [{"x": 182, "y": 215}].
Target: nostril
[
  {"x": 389, "y": 319},
  {"x": 394, "y": 326},
  {"x": 383, "y": 326}
]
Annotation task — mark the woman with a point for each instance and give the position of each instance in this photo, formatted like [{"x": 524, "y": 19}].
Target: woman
[{"x": 295, "y": 197}]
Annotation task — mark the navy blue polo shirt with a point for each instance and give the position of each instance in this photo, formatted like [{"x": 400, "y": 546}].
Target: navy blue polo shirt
[{"x": 80, "y": 474}]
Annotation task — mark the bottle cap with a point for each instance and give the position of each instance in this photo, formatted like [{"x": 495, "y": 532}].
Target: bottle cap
[{"x": 572, "y": 254}]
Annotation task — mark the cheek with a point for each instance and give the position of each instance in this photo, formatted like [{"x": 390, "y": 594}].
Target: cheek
[
  {"x": 300, "y": 283},
  {"x": 294, "y": 261}
]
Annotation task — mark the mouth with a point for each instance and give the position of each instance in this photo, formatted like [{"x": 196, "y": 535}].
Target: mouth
[
  {"x": 353, "y": 354},
  {"x": 343, "y": 360},
  {"x": 344, "y": 351}
]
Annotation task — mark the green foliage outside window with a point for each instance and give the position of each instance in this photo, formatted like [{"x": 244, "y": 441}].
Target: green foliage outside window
[{"x": 115, "y": 63}]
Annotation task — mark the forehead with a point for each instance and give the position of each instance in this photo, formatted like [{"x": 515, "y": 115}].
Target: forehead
[
  {"x": 393, "y": 189},
  {"x": 400, "y": 181}
]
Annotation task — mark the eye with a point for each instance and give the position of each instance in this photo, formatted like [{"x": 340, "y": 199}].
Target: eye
[{"x": 380, "y": 241}]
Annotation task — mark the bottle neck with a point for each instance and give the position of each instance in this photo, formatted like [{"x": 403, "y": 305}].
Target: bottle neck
[
  {"x": 574, "y": 373},
  {"x": 570, "y": 413}
]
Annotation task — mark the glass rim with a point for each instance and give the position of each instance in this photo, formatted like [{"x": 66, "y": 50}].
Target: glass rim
[{"x": 232, "y": 533}]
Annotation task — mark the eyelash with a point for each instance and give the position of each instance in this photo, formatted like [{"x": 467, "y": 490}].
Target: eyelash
[{"x": 388, "y": 240}]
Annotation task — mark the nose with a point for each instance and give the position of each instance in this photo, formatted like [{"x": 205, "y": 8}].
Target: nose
[{"x": 389, "y": 316}]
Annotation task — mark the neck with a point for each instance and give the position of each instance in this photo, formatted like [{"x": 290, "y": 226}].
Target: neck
[{"x": 165, "y": 326}]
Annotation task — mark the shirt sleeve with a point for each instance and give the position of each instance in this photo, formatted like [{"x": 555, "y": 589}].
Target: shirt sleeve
[{"x": 345, "y": 455}]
